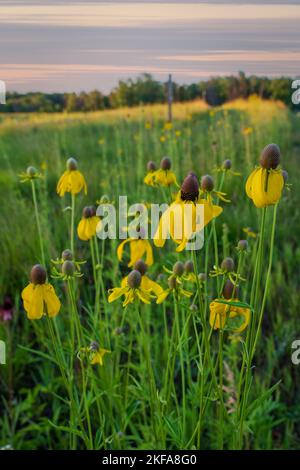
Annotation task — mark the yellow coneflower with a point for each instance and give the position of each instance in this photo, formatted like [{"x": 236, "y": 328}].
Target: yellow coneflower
[
  {"x": 132, "y": 291},
  {"x": 207, "y": 189},
  {"x": 247, "y": 130},
  {"x": 71, "y": 181},
  {"x": 164, "y": 176},
  {"x": 226, "y": 168},
  {"x": 250, "y": 232},
  {"x": 227, "y": 268},
  {"x": 39, "y": 297},
  {"x": 87, "y": 226},
  {"x": 264, "y": 185},
  {"x": 220, "y": 311},
  {"x": 189, "y": 194},
  {"x": 138, "y": 248},
  {"x": 30, "y": 174},
  {"x": 175, "y": 286},
  {"x": 151, "y": 172},
  {"x": 146, "y": 283},
  {"x": 95, "y": 353}
]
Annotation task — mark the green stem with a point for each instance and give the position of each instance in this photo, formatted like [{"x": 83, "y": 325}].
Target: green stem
[
  {"x": 72, "y": 222},
  {"x": 176, "y": 313},
  {"x": 37, "y": 218}
]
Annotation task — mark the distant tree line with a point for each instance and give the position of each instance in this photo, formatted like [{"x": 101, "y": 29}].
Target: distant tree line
[{"x": 146, "y": 90}]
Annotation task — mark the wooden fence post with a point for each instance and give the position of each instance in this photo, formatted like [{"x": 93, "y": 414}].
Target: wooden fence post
[{"x": 170, "y": 98}]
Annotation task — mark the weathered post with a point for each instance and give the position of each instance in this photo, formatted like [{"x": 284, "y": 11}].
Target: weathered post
[{"x": 170, "y": 98}]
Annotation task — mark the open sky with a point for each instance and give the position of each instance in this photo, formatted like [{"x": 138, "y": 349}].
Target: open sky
[{"x": 78, "y": 45}]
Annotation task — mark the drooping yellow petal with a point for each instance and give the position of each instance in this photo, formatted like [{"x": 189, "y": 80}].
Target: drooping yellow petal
[
  {"x": 97, "y": 357},
  {"x": 120, "y": 248},
  {"x": 148, "y": 284},
  {"x": 171, "y": 222},
  {"x": 27, "y": 294},
  {"x": 217, "y": 317},
  {"x": 51, "y": 300},
  {"x": 143, "y": 295},
  {"x": 150, "y": 178},
  {"x": 116, "y": 292},
  {"x": 149, "y": 253},
  {"x": 249, "y": 183},
  {"x": 240, "y": 311},
  {"x": 82, "y": 229},
  {"x": 76, "y": 182},
  {"x": 71, "y": 181},
  {"x": 62, "y": 184},
  {"x": 137, "y": 250},
  {"x": 34, "y": 303},
  {"x": 124, "y": 281},
  {"x": 264, "y": 186},
  {"x": 165, "y": 177},
  {"x": 210, "y": 211},
  {"x": 163, "y": 295},
  {"x": 163, "y": 229}
]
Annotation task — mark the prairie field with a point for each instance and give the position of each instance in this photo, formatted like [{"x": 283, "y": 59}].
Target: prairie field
[{"x": 157, "y": 373}]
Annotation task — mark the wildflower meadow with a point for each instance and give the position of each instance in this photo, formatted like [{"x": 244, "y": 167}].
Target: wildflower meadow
[{"x": 135, "y": 341}]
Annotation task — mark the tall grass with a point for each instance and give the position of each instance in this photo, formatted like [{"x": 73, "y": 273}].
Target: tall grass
[{"x": 169, "y": 382}]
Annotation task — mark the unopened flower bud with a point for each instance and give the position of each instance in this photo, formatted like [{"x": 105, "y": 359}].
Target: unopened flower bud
[
  {"x": 242, "y": 245},
  {"x": 270, "y": 156},
  {"x": 166, "y": 163},
  {"x": 194, "y": 307},
  {"x": 38, "y": 274},
  {"x": 230, "y": 290},
  {"x": 190, "y": 188},
  {"x": 141, "y": 266},
  {"x": 207, "y": 183},
  {"x": 72, "y": 164},
  {"x": 202, "y": 277},
  {"x": 134, "y": 279},
  {"x": 227, "y": 164},
  {"x": 189, "y": 266},
  {"x": 172, "y": 282},
  {"x": 94, "y": 346},
  {"x": 151, "y": 166},
  {"x": 68, "y": 268},
  {"x": 67, "y": 255},
  {"x": 227, "y": 265},
  {"x": 178, "y": 268},
  {"x": 31, "y": 171}
]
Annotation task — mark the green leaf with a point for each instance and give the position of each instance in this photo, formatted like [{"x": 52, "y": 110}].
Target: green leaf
[{"x": 259, "y": 401}]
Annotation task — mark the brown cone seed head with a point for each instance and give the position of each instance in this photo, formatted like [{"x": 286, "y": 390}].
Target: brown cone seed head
[
  {"x": 151, "y": 166},
  {"x": 72, "y": 164},
  {"x": 166, "y": 163},
  {"x": 227, "y": 264},
  {"x": 190, "y": 188},
  {"x": 270, "y": 156},
  {"x": 141, "y": 266},
  {"x": 134, "y": 279},
  {"x": 38, "y": 274},
  {"x": 207, "y": 183}
]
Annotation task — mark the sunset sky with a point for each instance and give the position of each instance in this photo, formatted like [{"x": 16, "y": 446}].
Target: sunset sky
[{"x": 81, "y": 45}]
